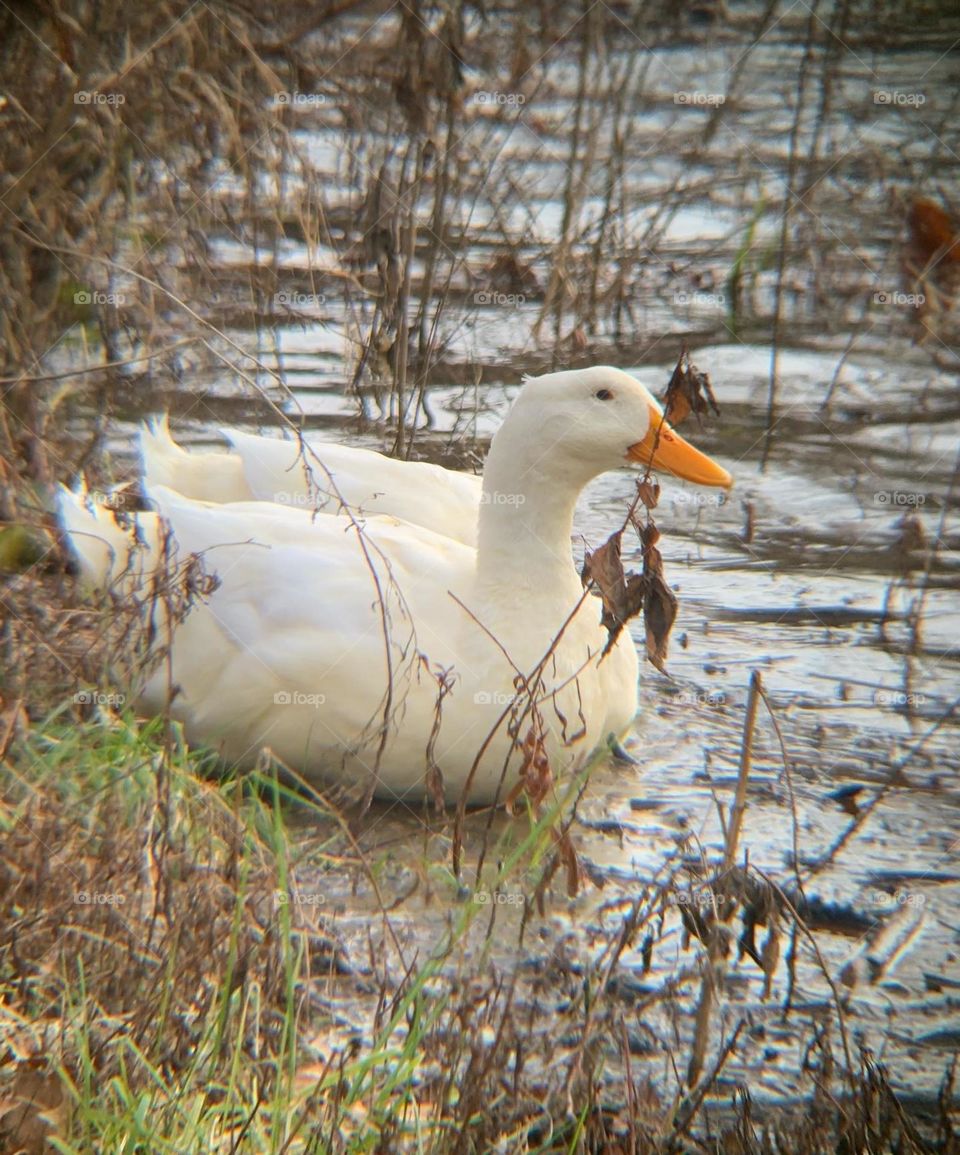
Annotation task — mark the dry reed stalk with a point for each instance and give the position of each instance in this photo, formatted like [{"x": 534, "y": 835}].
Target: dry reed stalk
[{"x": 712, "y": 976}]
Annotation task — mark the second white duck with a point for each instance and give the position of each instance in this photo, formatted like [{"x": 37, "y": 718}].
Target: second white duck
[{"x": 319, "y": 475}]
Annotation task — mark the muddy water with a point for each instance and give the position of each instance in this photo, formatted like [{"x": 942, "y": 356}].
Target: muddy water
[{"x": 818, "y": 570}]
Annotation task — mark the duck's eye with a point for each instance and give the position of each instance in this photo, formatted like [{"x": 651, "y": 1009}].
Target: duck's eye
[{"x": 603, "y": 395}]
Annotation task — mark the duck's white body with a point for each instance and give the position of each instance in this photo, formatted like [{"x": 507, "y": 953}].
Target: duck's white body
[{"x": 368, "y": 652}]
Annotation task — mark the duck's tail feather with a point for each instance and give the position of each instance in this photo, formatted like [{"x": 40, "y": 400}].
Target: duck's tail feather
[
  {"x": 106, "y": 551},
  {"x": 203, "y": 476}
]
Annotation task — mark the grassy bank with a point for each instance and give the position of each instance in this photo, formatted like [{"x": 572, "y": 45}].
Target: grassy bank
[{"x": 175, "y": 963}]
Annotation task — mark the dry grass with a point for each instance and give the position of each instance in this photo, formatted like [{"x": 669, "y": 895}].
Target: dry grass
[{"x": 165, "y": 985}]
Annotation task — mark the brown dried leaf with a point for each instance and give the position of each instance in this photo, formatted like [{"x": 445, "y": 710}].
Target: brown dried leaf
[
  {"x": 933, "y": 233},
  {"x": 689, "y": 391},
  {"x": 622, "y": 598},
  {"x": 604, "y": 568},
  {"x": 659, "y": 600},
  {"x": 636, "y": 595},
  {"x": 536, "y": 777},
  {"x": 648, "y": 490},
  {"x": 659, "y": 613},
  {"x": 568, "y": 858}
]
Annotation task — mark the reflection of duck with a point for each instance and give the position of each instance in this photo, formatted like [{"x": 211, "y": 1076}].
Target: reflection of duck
[{"x": 367, "y": 655}]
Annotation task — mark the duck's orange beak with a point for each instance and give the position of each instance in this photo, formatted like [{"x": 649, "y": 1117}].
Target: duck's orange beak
[{"x": 664, "y": 449}]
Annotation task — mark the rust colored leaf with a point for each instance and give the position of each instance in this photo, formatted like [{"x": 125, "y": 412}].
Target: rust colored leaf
[
  {"x": 568, "y": 858},
  {"x": 689, "y": 391},
  {"x": 622, "y": 597},
  {"x": 536, "y": 777},
  {"x": 636, "y": 596},
  {"x": 931, "y": 261},
  {"x": 604, "y": 568},
  {"x": 933, "y": 234},
  {"x": 659, "y": 600},
  {"x": 648, "y": 490}
]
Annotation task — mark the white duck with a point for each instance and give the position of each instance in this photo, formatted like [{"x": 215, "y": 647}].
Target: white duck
[
  {"x": 320, "y": 475},
  {"x": 365, "y": 653},
  {"x": 325, "y": 477}
]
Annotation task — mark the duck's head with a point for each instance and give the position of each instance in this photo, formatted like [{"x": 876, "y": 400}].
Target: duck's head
[{"x": 601, "y": 418}]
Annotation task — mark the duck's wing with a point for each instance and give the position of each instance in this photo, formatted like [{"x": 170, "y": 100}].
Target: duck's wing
[
  {"x": 304, "y": 628},
  {"x": 299, "y": 618},
  {"x": 197, "y": 474}
]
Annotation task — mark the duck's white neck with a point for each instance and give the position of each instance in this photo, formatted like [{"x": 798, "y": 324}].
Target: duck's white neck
[{"x": 526, "y": 514}]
